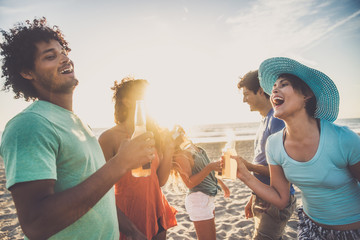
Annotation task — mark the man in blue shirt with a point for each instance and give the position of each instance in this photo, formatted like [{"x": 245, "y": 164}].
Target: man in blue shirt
[{"x": 269, "y": 221}]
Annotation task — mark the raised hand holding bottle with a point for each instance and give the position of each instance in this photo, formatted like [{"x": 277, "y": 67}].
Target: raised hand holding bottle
[{"x": 140, "y": 128}]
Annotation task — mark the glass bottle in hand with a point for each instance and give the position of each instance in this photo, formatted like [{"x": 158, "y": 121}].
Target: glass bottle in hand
[
  {"x": 140, "y": 128},
  {"x": 230, "y": 165}
]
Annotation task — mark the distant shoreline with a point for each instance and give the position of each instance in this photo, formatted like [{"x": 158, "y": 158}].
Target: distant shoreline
[{"x": 242, "y": 131}]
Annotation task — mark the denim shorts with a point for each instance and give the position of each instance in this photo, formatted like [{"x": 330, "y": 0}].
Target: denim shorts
[{"x": 200, "y": 206}]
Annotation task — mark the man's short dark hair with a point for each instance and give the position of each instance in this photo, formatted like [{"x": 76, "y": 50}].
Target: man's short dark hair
[
  {"x": 18, "y": 51},
  {"x": 251, "y": 81}
]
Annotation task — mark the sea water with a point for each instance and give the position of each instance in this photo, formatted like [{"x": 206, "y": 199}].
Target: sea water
[
  {"x": 246, "y": 131},
  {"x": 242, "y": 131}
]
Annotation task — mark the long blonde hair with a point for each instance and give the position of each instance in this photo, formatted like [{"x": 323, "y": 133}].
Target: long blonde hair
[{"x": 175, "y": 182}]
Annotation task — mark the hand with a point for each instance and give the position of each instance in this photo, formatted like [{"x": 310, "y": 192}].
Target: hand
[
  {"x": 216, "y": 165},
  {"x": 222, "y": 160},
  {"x": 248, "y": 212},
  {"x": 168, "y": 143},
  {"x": 246, "y": 163},
  {"x": 136, "y": 152},
  {"x": 226, "y": 192},
  {"x": 242, "y": 171},
  {"x": 262, "y": 206}
]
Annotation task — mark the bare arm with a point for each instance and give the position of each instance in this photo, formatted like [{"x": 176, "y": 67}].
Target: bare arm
[
  {"x": 257, "y": 168},
  {"x": 164, "y": 168},
  {"x": 247, "y": 209},
  {"x": 42, "y": 212},
  {"x": 355, "y": 171},
  {"x": 224, "y": 188},
  {"x": 277, "y": 193},
  {"x": 194, "y": 180},
  {"x": 109, "y": 142}
]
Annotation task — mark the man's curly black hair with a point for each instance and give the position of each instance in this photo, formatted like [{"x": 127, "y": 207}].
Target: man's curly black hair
[{"x": 18, "y": 51}]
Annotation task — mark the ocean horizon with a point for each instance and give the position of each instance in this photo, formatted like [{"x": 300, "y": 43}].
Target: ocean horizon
[{"x": 223, "y": 132}]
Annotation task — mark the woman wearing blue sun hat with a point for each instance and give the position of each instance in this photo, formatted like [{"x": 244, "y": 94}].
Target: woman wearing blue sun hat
[{"x": 321, "y": 158}]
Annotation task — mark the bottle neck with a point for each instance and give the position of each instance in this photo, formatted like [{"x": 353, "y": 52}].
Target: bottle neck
[{"x": 230, "y": 145}]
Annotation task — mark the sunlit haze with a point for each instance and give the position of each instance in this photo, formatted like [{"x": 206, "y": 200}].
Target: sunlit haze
[{"x": 193, "y": 52}]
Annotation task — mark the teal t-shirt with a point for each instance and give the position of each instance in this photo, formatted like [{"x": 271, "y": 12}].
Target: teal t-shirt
[
  {"x": 46, "y": 141},
  {"x": 209, "y": 185},
  {"x": 330, "y": 194}
]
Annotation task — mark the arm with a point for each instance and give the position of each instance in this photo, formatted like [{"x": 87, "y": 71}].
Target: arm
[
  {"x": 355, "y": 171},
  {"x": 109, "y": 141},
  {"x": 42, "y": 212},
  {"x": 248, "y": 211},
  {"x": 277, "y": 193},
  {"x": 257, "y": 168},
  {"x": 349, "y": 141},
  {"x": 224, "y": 188},
  {"x": 165, "y": 165},
  {"x": 186, "y": 174}
]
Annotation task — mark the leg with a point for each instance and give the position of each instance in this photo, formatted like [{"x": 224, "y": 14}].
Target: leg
[
  {"x": 270, "y": 222},
  {"x": 205, "y": 230},
  {"x": 201, "y": 208}
]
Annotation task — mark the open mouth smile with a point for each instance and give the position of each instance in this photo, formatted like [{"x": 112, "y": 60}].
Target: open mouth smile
[
  {"x": 67, "y": 70},
  {"x": 277, "y": 101}
]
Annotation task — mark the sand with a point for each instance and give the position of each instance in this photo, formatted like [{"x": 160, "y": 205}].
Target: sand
[
  {"x": 230, "y": 218},
  {"x": 229, "y": 213},
  {"x": 9, "y": 224}
]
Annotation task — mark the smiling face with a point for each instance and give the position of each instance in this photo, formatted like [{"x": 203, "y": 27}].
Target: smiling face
[
  {"x": 53, "y": 71},
  {"x": 253, "y": 100},
  {"x": 286, "y": 101}
]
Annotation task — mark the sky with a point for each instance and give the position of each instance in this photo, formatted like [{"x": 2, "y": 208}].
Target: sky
[{"x": 193, "y": 52}]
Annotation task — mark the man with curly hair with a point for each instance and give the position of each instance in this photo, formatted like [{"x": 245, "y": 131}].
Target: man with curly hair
[{"x": 55, "y": 169}]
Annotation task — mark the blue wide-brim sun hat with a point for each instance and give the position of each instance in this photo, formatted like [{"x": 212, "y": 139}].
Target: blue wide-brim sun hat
[{"x": 324, "y": 89}]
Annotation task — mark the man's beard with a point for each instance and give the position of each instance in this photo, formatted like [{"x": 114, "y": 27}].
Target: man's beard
[{"x": 64, "y": 88}]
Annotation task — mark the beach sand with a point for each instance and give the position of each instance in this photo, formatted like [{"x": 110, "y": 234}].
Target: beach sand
[
  {"x": 9, "y": 224},
  {"x": 229, "y": 213},
  {"x": 230, "y": 218}
]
